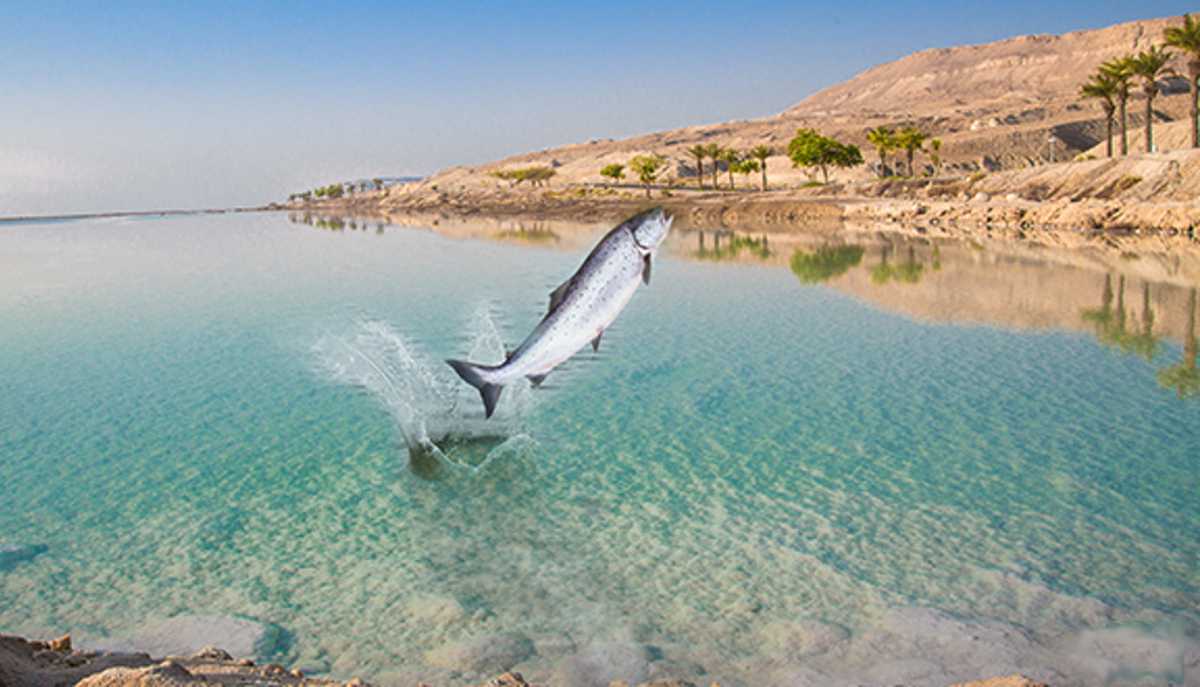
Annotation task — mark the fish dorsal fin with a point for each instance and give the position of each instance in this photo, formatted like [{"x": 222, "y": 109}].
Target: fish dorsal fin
[
  {"x": 557, "y": 295},
  {"x": 646, "y": 269}
]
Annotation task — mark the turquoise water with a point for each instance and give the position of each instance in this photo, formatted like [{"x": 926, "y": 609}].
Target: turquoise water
[{"x": 213, "y": 415}]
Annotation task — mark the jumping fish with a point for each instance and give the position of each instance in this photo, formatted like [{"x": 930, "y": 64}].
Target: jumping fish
[{"x": 580, "y": 310}]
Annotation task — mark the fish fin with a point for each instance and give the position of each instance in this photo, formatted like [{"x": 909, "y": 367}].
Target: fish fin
[
  {"x": 596, "y": 342},
  {"x": 557, "y": 295},
  {"x": 471, "y": 374},
  {"x": 508, "y": 355},
  {"x": 646, "y": 269},
  {"x": 537, "y": 380}
]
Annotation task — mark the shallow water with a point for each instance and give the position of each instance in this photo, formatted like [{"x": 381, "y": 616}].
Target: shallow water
[{"x": 214, "y": 415}]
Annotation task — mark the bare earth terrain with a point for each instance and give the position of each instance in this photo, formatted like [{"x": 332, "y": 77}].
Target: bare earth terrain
[{"x": 994, "y": 107}]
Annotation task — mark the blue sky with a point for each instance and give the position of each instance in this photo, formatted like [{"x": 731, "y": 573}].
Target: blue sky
[{"x": 108, "y": 106}]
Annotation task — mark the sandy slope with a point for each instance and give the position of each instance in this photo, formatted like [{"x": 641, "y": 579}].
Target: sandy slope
[{"x": 994, "y": 106}]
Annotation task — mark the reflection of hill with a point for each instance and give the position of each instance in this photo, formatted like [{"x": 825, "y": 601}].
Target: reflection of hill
[
  {"x": 1021, "y": 284},
  {"x": 991, "y": 287}
]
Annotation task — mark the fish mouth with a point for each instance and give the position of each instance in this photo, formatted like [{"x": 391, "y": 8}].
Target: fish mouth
[{"x": 648, "y": 238}]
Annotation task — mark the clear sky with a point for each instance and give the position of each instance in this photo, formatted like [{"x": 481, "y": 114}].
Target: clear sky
[{"x": 116, "y": 105}]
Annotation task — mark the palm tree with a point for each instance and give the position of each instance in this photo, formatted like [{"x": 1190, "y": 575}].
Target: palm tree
[
  {"x": 699, "y": 152},
  {"x": 1102, "y": 85},
  {"x": 761, "y": 153},
  {"x": 730, "y": 156},
  {"x": 1119, "y": 70},
  {"x": 713, "y": 151},
  {"x": 1187, "y": 39},
  {"x": 911, "y": 139},
  {"x": 1147, "y": 66},
  {"x": 883, "y": 138}
]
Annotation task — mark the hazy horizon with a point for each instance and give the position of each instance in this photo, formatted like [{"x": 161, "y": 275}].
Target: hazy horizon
[{"x": 135, "y": 107}]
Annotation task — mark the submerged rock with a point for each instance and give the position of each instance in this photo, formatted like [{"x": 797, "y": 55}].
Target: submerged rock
[
  {"x": 190, "y": 634},
  {"x": 493, "y": 654},
  {"x": 604, "y": 664},
  {"x": 11, "y": 554},
  {"x": 802, "y": 638}
]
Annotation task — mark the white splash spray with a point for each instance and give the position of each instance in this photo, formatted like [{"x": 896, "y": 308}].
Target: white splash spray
[{"x": 437, "y": 417}]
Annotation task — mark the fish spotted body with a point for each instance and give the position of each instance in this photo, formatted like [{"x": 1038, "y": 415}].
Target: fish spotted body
[{"x": 580, "y": 310}]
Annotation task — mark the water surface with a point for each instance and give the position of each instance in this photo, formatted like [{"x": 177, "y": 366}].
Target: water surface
[{"x": 766, "y": 476}]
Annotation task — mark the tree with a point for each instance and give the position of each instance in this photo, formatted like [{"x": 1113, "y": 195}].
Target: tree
[
  {"x": 934, "y": 146},
  {"x": 911, "y": 139},
  {"x": 534, "y": 175},
  {"x": 746, "y": 167},
  {"x": 1103, "y": 86},
  {"x": 1120, "y": 72},
  {"x": 615, "y": 171},
  {"x": 646, "y": 167},
  {"x": 699, "y": 152},
  {"x": 883, "y": 138},
  {"x": 761, "y": 153},
  {"x": 713, "y": 151},
  {"x": 378, "y": 183},
  {"x": 1147, "y": 66},
  {"x": 730, "y": 157},
  {"x": 1187, "y": 39},
  {"x": 810, "y": 149}
]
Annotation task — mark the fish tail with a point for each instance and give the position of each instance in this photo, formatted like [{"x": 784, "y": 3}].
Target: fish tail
[{"x": 473, "y": 374}]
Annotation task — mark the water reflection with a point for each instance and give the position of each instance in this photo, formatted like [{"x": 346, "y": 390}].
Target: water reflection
[
  {"x": 825, "y": 263},
  {"x": 338, "y": 224},
  {"x": 924, "y": 275},
  {"x": 734, "y": 246},
  {"x": 907, "y": 272},
  {"x": 539, "y": 232},
  {"x": 1183, "y": 376},
  {"x": 1112, "y": 326}
]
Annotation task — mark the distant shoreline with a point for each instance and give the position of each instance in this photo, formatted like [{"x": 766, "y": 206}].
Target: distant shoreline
[
  {"x": 1152, "y": 193},
  {"x": 133, "y": 213}
]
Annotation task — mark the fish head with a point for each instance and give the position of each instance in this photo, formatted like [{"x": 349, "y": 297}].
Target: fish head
[{"x": 650, "y": 228}]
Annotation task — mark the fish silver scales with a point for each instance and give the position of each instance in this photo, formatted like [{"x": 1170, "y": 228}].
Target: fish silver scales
[{"x": 580, "y": 310}]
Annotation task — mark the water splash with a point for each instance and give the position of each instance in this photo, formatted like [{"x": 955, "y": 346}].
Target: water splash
[{"x": 439, "y": 419}]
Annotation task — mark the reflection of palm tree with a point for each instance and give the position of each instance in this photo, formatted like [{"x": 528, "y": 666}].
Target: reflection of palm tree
[
  {"x": 825, "y": 263},
  {"x": 907, "y": 272},
  {"x": 756, "y": 247},
  {"x": 1143, "y": 342},
  {"x": 910, "y": 271},
  {"x": 1112, "y": 325},
  {"x": 882, "y": 273},
  {"x": 1103, "y": 315},
  {"x": 1184, "y": 376}
]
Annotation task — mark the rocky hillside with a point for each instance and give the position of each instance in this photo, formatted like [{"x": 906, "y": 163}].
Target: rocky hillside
[
  {"x": 1013, "y": 74},
  {"x": 994, "y": 106}
]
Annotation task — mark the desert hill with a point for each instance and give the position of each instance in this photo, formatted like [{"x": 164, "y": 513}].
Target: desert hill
[
  {"x": 994, "y": 106},
  {"x": 1014, "y": 73}
]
